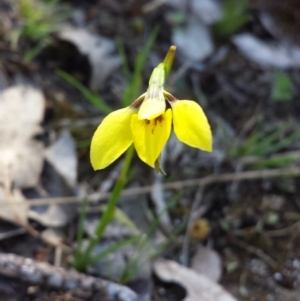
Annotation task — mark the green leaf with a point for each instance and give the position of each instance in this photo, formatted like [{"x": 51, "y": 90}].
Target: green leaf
[
  {"x": 234, "y": 16},
  {"x": 92, "y": 97},
  {"x": 282, "y": 87},
  {"x": 115, "y": 247},
  {"x": 133, "y": 91}
]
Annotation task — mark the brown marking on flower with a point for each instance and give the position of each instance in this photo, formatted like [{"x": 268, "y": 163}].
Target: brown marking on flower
[
  {"x": 137, "y": 103},
  {"x": 155, "y": 121},
  {"x": 158, "y": 119}
]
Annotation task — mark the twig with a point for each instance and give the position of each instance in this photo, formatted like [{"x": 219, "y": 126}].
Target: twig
[
  {"x": 71, "y": 124},
  {"x": 177, "y": 185},
  {"x": 295, "y": 155},
  {"x": 233, "y": 189},
  {"x": 258, "y": 252},
  {"x": 44, "y": 274},
  {"x": 186, "y": 241},
  {"x": 18, "y": 217},
  {"x": 283, "y": 232},
  {"x": 12, "y": 233},
  {"x": 58, "y": 256}
]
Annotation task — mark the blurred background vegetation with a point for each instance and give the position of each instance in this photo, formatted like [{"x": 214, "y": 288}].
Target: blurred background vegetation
[{"x": 239, "y": 59}]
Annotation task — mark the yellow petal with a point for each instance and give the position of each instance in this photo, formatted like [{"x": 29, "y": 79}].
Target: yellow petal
[
  {"x": 112, "y": 138},
  {"x": 150, "y": 136},
  {"x": 154, "y": 104},
  {"x": 191, "y": 125}
]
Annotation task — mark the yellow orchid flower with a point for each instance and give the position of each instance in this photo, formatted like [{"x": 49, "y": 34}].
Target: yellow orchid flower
[{"x": 147, "y": 123}]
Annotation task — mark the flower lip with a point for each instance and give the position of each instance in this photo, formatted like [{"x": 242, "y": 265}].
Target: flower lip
[{"x": 150, "y": 136}]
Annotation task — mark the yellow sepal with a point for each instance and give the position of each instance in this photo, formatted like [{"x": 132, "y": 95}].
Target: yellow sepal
[
  {"x": 191, "y": 125},
  {"x": 150, "y": 136},
  {"x": 112, "y": 138}
]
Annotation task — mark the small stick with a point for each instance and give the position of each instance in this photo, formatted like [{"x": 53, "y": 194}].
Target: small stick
[
  {"x": 177, "y": 185},
  {"x": 44, "y": 274},
  {"x": 186, "y": 241},
  {"x": 253, "y": 250},
  {"x": 283, "y": 232}
]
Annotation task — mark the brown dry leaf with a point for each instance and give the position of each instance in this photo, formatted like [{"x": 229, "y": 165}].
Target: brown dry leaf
[
  {"x": 194, "y": 41},
  {"x": 21, "y": 157},
  {"x": 198, "y": 287}
]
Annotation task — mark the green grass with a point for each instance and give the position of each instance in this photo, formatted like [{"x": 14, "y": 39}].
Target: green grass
[
  {"x": 39, "y": 20},
  {"x": 235, "y": 15},
  {"x": 262, "y": 145},
  {"x": 146, "y": 250},
  {"x": 92, "y": 97},
  {"x": 134, "y": 87},
  {"x": 282, "y": 86}
]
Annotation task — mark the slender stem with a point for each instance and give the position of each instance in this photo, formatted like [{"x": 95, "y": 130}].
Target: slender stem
[
  {"x": 81, "y": 227},
  {"x": 110, "y": 208}
]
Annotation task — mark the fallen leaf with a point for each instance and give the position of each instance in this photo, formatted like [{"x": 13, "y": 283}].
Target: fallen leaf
[
  {"x": 207, "y": 262},
  {"x": 267, "y": 54},
  {"x": 59, "y": 179},
  {"x": 62, "y": 156},
  {"x": 198, "y": 287},
  {"x": 21, "y": 156},
  {"x": 280, "y": 18},
  {"x": 11, "y": 212},
  {"x": 270, "y": 25},
  {"x": 53, "y": 236},
  {"x": 194, "y": 41},
  {"x": 209, "y": 11},
  {"x": 98, "y": 49},
  {"x": 52, "y": 215}
]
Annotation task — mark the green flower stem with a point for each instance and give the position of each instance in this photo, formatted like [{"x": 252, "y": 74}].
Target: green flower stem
[{"x": 84, "y": 260}]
